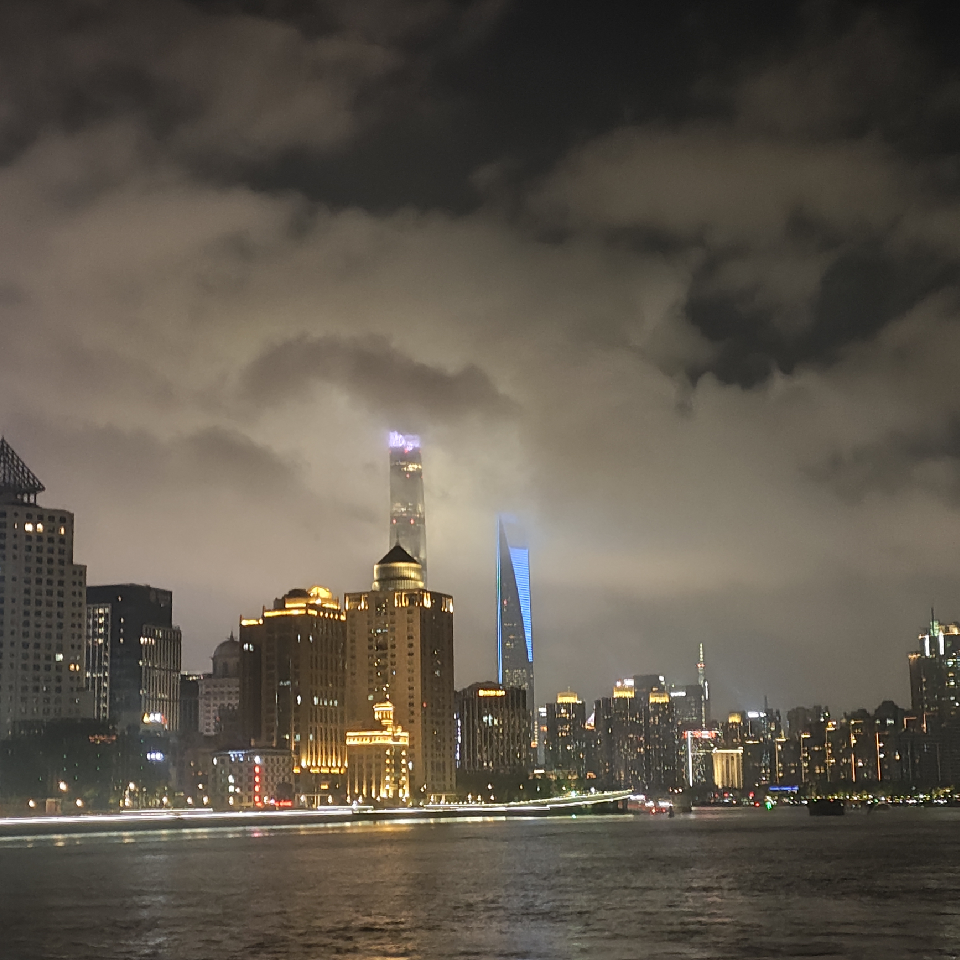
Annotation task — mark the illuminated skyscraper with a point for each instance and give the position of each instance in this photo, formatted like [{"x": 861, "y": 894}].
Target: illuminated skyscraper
[
  {"x": 407, "y": 519},
  {"x": 292, "y": 680},
  {"x": 400, "y": 649},
  {"x": 935, "y": 675},
  {"x": 514, "y": 625}
]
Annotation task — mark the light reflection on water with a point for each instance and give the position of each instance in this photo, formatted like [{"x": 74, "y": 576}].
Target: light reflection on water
[{"x": 735, "y": 884}]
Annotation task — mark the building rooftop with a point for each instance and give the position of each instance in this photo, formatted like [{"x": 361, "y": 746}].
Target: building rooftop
[
  {"x": 397, "y": 555},
  {"x": 18, "y": 484}
]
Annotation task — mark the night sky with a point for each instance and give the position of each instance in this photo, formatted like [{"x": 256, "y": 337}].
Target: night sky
[{"x": 678, "y": 284}]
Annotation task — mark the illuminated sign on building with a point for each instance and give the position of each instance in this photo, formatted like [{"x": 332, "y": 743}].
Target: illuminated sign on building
[{"x": 405, "y": 441}]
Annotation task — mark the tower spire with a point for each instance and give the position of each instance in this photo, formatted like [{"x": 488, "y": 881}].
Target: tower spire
[{"x": 704, "y": 688}]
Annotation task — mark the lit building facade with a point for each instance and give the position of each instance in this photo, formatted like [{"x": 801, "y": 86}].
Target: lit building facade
[
  {"x": 400, "y": 648},
  {"x": 251, "y": 779},
  {"x": 42, "y": 605},
  {"x": 377, "y": 761},
  {"x": 292, "y": 680},
  {"x": 96, "y": 658},
  {"x": 514, "y": 612},
  {"x": 698, "y": 747},
  {"x": 563, "y": 733},
  {"x": 728, "y": 768},
  {"x": 618, "y": 752},
  {"x": 139, "y": 621},
  {"x": 407, "y": 515},
  {"x": 660, "y": 743},
  {"x": 160, "y": 678},
  {"x": 688, "y": 703},
  {"x": 493, "y": 729},
  {"x": 219, "y": 692}
]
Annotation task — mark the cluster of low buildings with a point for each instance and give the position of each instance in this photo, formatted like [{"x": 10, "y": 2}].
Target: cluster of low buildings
[
  {"x": 654, "y": 737},
  {"x": 320, "y": 699}
]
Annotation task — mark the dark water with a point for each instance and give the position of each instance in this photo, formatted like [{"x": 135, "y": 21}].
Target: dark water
[{"x": 737, "y": 884}]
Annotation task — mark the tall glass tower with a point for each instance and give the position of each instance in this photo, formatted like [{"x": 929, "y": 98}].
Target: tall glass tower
[
  {"x": 407, "y": 520},
  {"x": 514, "y": 626}
]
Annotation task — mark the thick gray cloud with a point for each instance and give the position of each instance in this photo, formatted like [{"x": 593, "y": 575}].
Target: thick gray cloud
[
  {"x": 374, "y": 373},
  {"x": 703, "y": 341}
]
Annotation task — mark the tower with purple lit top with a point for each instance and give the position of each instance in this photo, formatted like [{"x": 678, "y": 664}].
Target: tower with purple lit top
[{"x": 407, "y": 518}]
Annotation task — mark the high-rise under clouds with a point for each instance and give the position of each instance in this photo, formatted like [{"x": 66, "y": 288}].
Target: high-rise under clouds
[
  {"x": 407, "y": 519},
  {"x": 514, "y": 622}
]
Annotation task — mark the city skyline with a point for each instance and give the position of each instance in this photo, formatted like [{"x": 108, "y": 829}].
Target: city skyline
[
  {"x": 514, "y": 635},
  {"x": 681, "y": 294}
]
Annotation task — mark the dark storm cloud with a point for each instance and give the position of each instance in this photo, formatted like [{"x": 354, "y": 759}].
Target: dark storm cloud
[
  {"x": 927, "y": 458},
  {"x": 205, "y": 462},
  {"x": 217, "y": 84},
  {"x": 855, "y": 73},
  {"x": 228, "y": 459},
  {"x": 861, "y": 289},
  {"x": 375, "y": 373}
]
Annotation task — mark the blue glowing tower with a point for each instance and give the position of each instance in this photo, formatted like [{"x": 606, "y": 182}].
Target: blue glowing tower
[{"x": 514, "y": 627}]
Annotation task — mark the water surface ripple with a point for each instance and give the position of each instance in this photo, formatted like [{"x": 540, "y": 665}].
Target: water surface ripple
[{"x": 723, "y": 884}]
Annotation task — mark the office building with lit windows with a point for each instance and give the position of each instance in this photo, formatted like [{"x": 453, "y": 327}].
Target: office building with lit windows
[
  {"x": 659, "y": 743},
  {"x": 688, "y": 703},
  {"x": 407, "y": 515},
  {"x": 563, "y": 733},
  {"x": 617, "y": 755},
  {"x": 160, "y": 678},
  {"x": 144, "y": 655},
  {"x": 292, "y": 694},
  {"x": 493, "y": 729},
  {"x": 514, "y": 614},
  {"x": 42, "y": 605},
  {"x": 400, "y": 649}
]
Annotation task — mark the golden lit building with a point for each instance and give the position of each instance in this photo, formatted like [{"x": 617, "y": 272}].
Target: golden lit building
[
  {"x": 400, "y": 648},
  {"x": 377, "y": 764},
  {"x": 292, "y": 680},
  {"x": 728, "y": 768}
]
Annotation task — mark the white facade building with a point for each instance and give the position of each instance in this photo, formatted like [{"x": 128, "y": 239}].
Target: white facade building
[{"x": 42, "y": 605}]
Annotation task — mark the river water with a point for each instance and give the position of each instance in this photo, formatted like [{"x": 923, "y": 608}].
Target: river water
[{"x": 731, "y": 884}]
